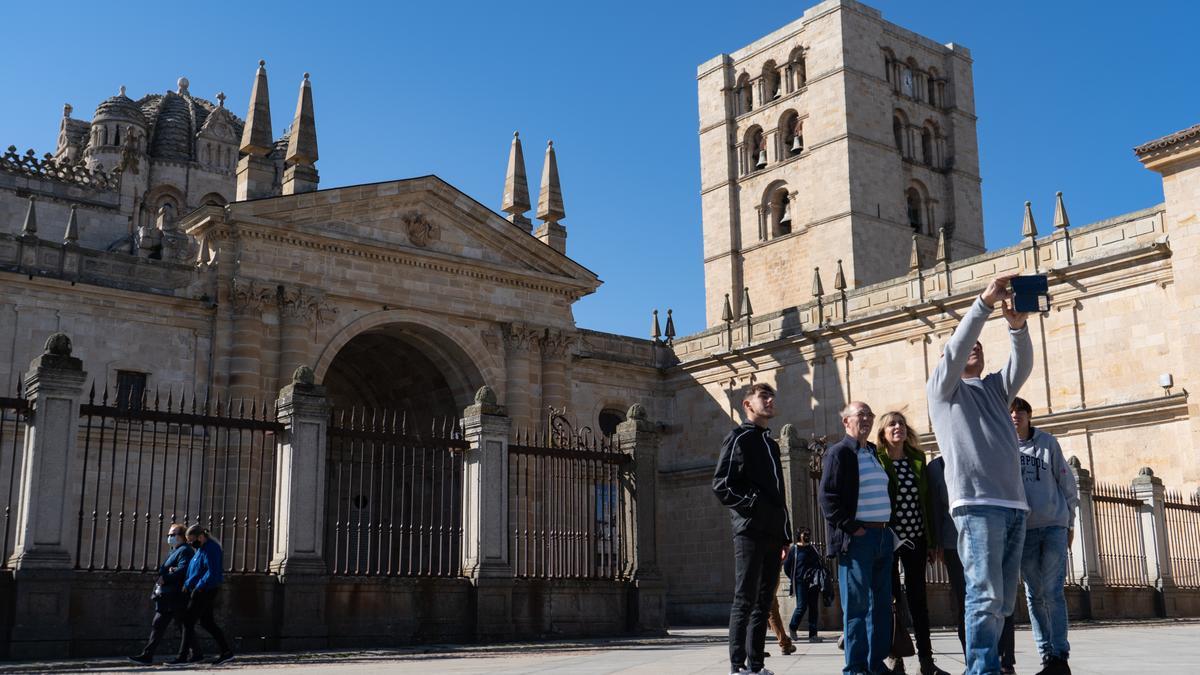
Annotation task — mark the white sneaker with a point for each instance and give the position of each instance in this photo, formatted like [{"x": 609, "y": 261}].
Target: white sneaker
[{"x": 764, "y": 671}]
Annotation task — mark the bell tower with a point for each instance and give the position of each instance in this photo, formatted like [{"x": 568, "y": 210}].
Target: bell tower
[{"x": 837, "y": 137}]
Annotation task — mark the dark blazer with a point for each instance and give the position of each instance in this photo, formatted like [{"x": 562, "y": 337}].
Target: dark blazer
[{"x": 839, "y": 494}]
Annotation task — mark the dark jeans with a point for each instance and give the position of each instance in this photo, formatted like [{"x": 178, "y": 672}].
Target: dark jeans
[
  {"x": 756, "y": 574},
  {"x": 958, "y": 591},
  {"x": 200, "y": 610},
  {"x": 807, "y": 600},
  {"x": 158, "y": 628},
  {"x": 913, "y": 560},
  {"x": 1008, "y": 643}
]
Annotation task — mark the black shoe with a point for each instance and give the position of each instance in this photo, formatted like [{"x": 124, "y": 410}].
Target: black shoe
[
  {"x": 178, "y": 661},
  {"x": 196, "y": 658},
  {"x": 144, "y": 659},
  {"x": 1053, "y": 665},
  {"x": 226, "y": 656},
  {"x": 928, "y": 667}
]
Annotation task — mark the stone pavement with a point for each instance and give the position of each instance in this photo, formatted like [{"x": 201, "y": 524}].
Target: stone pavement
[{"x": 1148, "y": 648}]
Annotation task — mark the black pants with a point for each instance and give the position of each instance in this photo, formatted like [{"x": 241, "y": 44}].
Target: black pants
[
  {"x": 914, "y": 562},
  {"x": 158, "y": 628},
  {"x": 756, "y": 573},
  {"x": 1008, "y": 642},
  {"x": 958, "y": 591},
  {"x": 200, "y": 610}
]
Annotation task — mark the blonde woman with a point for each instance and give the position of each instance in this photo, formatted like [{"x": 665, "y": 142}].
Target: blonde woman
[{"x": 900, "y": 454}]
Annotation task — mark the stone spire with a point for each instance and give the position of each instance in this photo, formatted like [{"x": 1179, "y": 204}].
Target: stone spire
[
  {"x": 71, "y": 236},
  {"x": 942, "y": 251},
  {"x": 256, "y": 173},
  {"x": 747, "y": 308},
  {"x": 727, "y": 310},
  {"x": 256, "y": 134},
  {"x": 1061, "y": 222},
  {"x": 516, "y": 186},
  {"x": 30, "y": 227},
  {"x": 301, "y": 173},
  {"x": 839, "y": 279},
  {"x": 1028, "y": 227},
  {"x": 550, "y": 205},
  {"x": 655, "y": 331},
  {"x": 670, "y": 332},
  {"x": 914, "y": 258},
  {"x": 818, "y": 289}
]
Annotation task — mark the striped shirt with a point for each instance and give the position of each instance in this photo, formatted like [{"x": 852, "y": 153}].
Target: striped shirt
[{"x": 874, "y": 503}]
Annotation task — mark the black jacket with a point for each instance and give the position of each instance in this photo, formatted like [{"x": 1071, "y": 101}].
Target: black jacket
[
  {"x": 749, "y": 480},
  {"x": 839, "y": 494}
]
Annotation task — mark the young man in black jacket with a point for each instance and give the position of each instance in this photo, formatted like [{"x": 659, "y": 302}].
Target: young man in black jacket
[{"x": 749, "y": 480}]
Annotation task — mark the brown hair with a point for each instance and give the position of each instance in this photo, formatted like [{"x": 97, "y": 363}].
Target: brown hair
[
  {"x": 912, "y": 442},
  {"x": 1022, "y": 405},
  {"x": 753, "y": 389}
]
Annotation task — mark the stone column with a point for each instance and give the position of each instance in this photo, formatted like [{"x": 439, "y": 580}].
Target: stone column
[
  {"x": 796, "y": 457},
  {"x": 299, "y": 312},
  {"x": 298, "y": 549},
  {"x": 245, "y": 354},
  {"x": 517, "y": 349},
  {"x": 1085, "y": 550},
  {"x": 1152, "y": 516},
  {"x": 637, "y": 436},
  {"x": 555, "y": 345},
  {"x": 485, "y": 515},
  {"x": 48, "y": 506}
]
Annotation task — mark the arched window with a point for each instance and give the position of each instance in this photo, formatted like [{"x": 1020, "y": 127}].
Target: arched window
[
  {"x": 912, "y": 200},
  {"x": 927, "y": 146},
  {"x": 745, "y": 95},
  {"x": 770, "y": 81},
  {"x": 900, "y": 133},
  {"x": 608, "y": 420},
  {"x": 756, "y": 149},
  {"x": 791, "y": 130},
  {"x": 934, "y": 80},
  {"x": 781, "y": 212},
  {"x": 797, "y": 69},
  {"x": 908, "y": 75}
]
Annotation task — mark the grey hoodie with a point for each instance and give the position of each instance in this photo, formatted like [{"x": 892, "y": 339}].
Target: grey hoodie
[
  {"x": 1050, "y": 488},
  {"x": 971, "y": 419}
]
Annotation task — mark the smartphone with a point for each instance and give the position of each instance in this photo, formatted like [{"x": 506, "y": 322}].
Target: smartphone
[{"x": 1031, "y": 293}]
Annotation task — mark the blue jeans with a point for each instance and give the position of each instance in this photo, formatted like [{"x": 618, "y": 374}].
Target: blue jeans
[
  {"x": 1044, "y": 567},
  {"x": 807, "y": 600},
  {"x": 865, "y": 581},
  {"x": 990, "y": 542}
]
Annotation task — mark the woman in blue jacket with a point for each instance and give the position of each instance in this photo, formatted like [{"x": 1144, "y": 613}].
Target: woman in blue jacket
[{"x": 204, "y": 577}]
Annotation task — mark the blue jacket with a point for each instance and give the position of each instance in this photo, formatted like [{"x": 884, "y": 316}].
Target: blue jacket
[
  {"x": 205, "y": 570},
  {"x": 804, "y": 568},
  {"x": 180, "y": 559}
]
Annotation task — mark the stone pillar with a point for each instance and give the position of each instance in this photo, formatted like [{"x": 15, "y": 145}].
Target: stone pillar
[
  {"x": 245, "y": 353},
  {"x": 1153, "y": 521},
  {"x": 485, "y": 515},
  {"x": 796, "y": 457},
  {"x": 298, "y": 313},
  {"x": 297, "y": 552},
  {"x": 637, "y": 436},
  {"x": 555, "y": 345},
  {"x": 1085, "y": 549},
  {"x": 48, "y": 506},
  {"x": 517, "y": 347}
]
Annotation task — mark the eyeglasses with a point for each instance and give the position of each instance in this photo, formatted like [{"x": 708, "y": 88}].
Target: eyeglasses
[{"x": 864, "y": 415}]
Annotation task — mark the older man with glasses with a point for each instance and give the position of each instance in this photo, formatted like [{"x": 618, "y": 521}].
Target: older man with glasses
[{"x": 857, "y": 507}]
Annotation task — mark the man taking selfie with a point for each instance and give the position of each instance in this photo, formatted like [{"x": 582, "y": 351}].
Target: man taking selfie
[{"x": 970, "y": 415}]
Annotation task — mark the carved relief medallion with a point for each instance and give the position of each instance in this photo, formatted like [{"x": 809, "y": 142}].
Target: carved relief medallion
[{"x": 420, "y": 230}]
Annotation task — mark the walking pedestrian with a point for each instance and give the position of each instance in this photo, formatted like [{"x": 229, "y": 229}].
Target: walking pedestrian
[
  {"x": 749, "y": 481},
  {"x": 807, "y": 576},
  {"x": 203, "y": 582},
  {"x": 170, "y": 603},
  {"x": 1053, "y": 497},
  {"x": 983, "y": 468},
  {"x": 854, "y": 500},
  {"x": 902, "y": 458}
]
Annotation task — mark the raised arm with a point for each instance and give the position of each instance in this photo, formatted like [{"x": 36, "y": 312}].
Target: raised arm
[
  {"x": 1020, "y": 358},
  {"x": 948, "y": 372}
]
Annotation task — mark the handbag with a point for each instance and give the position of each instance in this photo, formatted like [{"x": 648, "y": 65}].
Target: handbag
[{"x": 902, "y": 644}]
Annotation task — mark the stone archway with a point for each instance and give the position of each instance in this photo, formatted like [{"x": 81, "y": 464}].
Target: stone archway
[{"x": 402, "y": 367}]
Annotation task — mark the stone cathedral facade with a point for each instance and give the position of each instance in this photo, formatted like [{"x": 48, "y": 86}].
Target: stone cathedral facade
[{"x": 184, "y": 247}]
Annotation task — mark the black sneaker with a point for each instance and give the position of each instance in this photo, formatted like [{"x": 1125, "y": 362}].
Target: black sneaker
[
  {"x": 227, "y": 656},
  {"x": 178, "y": 661},
  {"x": 143, "y": 659}
]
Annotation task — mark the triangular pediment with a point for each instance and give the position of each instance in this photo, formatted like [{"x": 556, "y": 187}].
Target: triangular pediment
[{"x": 422, "y": 217}]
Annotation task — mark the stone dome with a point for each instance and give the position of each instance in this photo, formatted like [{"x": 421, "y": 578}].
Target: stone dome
[
  {"x": 175, "y": 119},
  {"x": 119, "y": 108}
]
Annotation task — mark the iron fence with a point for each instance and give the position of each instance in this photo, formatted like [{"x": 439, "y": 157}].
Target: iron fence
[
  {"x": 568, "y": 509},
  {"x": 1119, "y": 535},
  {"x": 394, "y": 504},
  {"x": 1183, "y": 537},
  {"x": 151, "y": 462},
  {"x": 14, "y": 413}
]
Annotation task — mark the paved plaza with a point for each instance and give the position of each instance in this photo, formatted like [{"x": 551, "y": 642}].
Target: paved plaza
[{"x": 1097, "y": 649}]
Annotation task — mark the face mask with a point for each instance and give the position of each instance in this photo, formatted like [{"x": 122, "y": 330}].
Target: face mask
[
  {"x": 172, "y": 540},
  {"x": 195, "y": 544}
]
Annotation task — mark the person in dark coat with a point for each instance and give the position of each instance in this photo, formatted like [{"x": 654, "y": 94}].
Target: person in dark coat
[
  {"x": 203, "y": 582},
  {"x": 749, "y": 481},
  {"x": 807, "y": 577},
  {"x": 170, "y": 602}
]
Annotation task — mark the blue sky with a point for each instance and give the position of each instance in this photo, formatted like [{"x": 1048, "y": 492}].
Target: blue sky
[{"x": 1063, "y": 90}]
